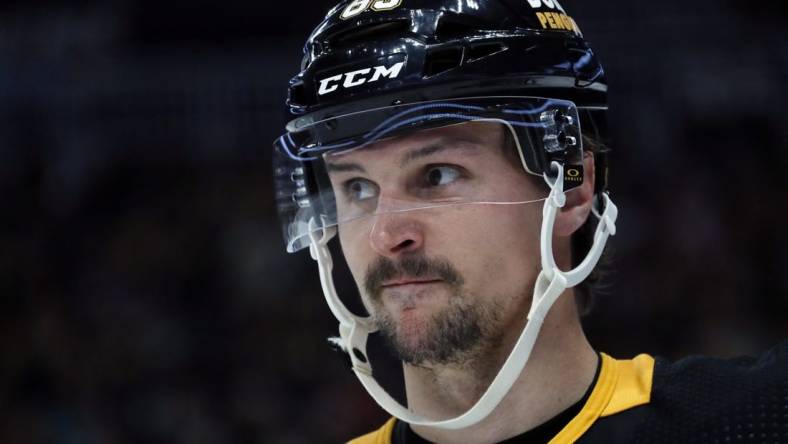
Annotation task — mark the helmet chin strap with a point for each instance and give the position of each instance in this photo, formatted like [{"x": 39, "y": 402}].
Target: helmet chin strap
[{"x": 550, "y": 284}]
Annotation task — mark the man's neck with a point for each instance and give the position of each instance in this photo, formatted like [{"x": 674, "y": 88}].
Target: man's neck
[{"x": 560, "y": 370}]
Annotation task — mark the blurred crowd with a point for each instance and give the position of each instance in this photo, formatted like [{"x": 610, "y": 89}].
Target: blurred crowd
[{"x": 145, "y": 295}]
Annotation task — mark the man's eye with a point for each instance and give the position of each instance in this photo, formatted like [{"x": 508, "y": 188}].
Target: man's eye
[
  {"x": 359, "y": 189},
  {"x": 442, "y": 175}
]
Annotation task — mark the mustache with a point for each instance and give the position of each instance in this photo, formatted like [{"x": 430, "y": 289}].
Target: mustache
[{"x": 384, "y": 269}]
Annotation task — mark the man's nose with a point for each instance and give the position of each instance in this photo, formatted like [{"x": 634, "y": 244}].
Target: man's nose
[{"x": 394, "y": 234}]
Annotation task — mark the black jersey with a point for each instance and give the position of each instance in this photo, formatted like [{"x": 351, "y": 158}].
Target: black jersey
[{"x": 648, "y": 400}]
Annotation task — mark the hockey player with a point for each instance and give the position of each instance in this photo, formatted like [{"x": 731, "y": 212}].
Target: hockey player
[{"x": 454, "y": 149}]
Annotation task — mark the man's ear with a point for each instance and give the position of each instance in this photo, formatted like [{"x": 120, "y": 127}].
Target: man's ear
[{"x": 578, "y": 202}]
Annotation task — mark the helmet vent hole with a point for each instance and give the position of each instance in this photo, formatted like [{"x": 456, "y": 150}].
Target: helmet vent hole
[
  {"x": 442, "y": 60},
  {"x": 370, "y": 33},
  {"x": 483, "y": 50}
]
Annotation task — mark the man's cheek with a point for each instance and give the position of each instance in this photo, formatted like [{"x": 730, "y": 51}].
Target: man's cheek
[{"x": 351, "y": 252}]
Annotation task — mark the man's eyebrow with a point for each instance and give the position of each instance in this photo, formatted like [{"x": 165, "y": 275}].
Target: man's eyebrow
[
  {"x": 436, "y": 147},
  {"x": 332, "y": 167},
  {"x": 432, "y": 148}
]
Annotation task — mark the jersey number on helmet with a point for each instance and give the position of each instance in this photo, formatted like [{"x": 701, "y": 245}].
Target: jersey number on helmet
[
  {"x": 356, "y": 7},
  {"x": 552, "y": 4}
]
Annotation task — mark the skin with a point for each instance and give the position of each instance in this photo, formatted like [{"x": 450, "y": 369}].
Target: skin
[{"x": 483, "y": 259}]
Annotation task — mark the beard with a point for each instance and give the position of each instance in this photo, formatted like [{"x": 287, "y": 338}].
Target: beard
[{"x": 456, "y": 334}]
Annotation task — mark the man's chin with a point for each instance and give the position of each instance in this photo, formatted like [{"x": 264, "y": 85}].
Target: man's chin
[
  {"x": 426, "y": 330},
  {"x": 407, "y": 330},
  {"x": 413, "y": 326},
  {"x": 412, "y": 320}
]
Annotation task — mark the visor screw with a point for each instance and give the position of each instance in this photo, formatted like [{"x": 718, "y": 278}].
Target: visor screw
[
  {"x": 565, "y": 141},
  {"x": 301, "y": 202}
]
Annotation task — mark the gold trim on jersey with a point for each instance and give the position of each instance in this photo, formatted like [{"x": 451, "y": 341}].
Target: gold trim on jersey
[
  {"x": 622, "y": 385},
  {"x": 379, "y": 436}
]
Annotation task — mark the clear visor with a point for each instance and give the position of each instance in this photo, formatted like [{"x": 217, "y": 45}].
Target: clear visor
[{"x": 433, "y": 156}]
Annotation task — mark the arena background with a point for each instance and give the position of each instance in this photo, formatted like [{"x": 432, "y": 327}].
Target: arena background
[{"x": 145, "y": 296}]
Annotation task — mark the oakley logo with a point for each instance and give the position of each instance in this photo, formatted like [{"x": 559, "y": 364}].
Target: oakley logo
[{"x": 358, "y": 77}]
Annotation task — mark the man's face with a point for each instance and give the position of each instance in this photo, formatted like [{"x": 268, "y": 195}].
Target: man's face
[{"x": 444, "y": 279}]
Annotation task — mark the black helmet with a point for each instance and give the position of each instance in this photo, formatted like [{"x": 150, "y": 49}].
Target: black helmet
[
  {"x": 445, "y": 49},
  {"x": 391, "y": 55},
  {"x": 376, "y": 53}
]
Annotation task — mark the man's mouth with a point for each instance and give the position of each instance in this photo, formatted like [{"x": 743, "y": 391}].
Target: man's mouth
[
  {"x": 395, "y": 283},
  {"x": 406, "y": 292}
]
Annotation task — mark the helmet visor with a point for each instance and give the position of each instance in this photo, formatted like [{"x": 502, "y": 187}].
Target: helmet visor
[{"x": 436, "y": 155}]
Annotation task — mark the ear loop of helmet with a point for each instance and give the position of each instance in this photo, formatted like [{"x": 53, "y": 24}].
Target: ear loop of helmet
[{"x": 550, "y": 284}]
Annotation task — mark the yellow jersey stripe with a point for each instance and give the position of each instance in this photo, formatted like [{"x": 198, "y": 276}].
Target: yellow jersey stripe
[
  {"x": 621, "y": 385},
  {"x": 379, "y": 436}
]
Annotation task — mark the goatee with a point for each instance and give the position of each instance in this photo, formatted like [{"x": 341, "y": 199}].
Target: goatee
[{"x": 454, "y": 335}]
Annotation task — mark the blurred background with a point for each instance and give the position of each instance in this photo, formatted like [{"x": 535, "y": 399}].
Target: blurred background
[{"x": 145, "y": 296}]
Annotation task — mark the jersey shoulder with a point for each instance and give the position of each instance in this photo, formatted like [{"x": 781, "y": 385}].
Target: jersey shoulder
[
  {"x": 706, "y": 399},
  {"x": 701, "y": 400},
  {"x": 707, "y": 384}
]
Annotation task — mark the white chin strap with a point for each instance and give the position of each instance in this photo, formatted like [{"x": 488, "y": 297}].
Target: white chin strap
[{"x": 551, "y": 283}]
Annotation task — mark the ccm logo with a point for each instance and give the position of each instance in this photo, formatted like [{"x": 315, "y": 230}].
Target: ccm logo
[
  {"x": 552, "y": 4},
  {"x": 359, "y": 77}
]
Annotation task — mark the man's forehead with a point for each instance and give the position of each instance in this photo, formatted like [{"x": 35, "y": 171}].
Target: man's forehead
[{"x": 474, "y": 133}]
